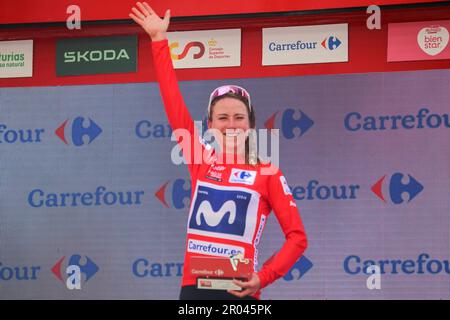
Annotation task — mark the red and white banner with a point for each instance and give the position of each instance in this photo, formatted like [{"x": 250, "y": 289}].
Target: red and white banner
[
  {"x": 412, "y": 41},
  {"x": 16, "y": 59},
  {"x": 205, "y": 49},
  {"x": 55, "y": 10},
  {"x": 305, "y": 44}
]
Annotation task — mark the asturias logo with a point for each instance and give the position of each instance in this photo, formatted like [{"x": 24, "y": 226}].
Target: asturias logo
[
  {"x": 289, "y": 123},
  {"x": 331, "y": 43},
  {"x": 175, "y": 192},
  {"x": 187, "y": 47},
  {"x": 76, "y": 131},
  {"x": 397, "y": 185},
  {"x": 74, "y": 270},
  {"x": 301, "y": 267}
]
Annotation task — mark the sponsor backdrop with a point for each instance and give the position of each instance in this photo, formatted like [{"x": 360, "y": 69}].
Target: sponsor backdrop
[{"x": 92, "y": 207}]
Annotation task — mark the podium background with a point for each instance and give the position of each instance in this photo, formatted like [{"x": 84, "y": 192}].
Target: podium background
[{"x": 138, "y": 248}]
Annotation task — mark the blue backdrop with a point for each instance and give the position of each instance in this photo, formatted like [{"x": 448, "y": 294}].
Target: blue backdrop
[{"x": 86, "y": 180}]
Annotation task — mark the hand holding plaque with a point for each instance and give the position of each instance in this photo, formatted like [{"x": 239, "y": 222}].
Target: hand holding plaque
[{"x": 217, "y": 273}]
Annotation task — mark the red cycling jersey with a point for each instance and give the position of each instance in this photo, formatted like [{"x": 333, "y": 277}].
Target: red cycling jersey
[{"x": 230, "y": 203}]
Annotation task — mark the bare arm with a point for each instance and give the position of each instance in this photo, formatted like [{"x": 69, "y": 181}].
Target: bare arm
[{"x": 146, "y": 17}]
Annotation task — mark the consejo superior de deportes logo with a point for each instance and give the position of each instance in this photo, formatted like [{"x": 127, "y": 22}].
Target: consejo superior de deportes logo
[
  {"x": 194, "y": 44},
  {"x": 72, "y": 274},
  {"x": 394, "y": 187},
  {"x": 78, "y": 132},
  {"x": 292, "y": 125}
]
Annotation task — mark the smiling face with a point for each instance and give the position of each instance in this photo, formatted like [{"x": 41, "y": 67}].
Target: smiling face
[{"x": 230, "y": 117}]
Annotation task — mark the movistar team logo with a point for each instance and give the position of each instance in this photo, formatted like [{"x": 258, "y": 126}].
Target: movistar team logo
[
  {"x": 194, "y": 44},
  {"x": 72, "y": 275},
  {"x": 207, "y": 216},
  {"x": 220, "y": 211},
  {"x": 293, "y": 124},
  {"x": 398, "y": 185},
  {"x": 331, "y": 43},
  {"x": 79, "y": 132}
]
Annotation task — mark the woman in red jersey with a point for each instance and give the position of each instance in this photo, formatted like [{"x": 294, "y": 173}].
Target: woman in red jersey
[{"x": 230, "y": 202}]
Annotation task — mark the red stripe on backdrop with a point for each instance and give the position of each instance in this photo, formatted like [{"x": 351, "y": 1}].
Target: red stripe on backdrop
[
  {"x": 30, "y": 11},
  {"x": 367, "y": 49}
]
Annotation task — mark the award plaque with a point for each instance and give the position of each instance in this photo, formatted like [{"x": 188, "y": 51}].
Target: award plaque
[{"x": 217, "y": 273}]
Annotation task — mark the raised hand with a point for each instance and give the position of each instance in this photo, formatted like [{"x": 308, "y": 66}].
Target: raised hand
[{"x": 144, "y": 16}]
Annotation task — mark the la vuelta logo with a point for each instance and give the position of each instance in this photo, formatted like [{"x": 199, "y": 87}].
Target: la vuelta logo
[
  {"x": 187, "y": 47},
  {"x": 72, "y": 274},
  {"x": 433, "y": 39},
  {"x": 397, "y": 185}
]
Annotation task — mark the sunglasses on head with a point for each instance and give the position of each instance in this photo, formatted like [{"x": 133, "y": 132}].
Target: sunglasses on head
[{"x": 220, "y": 91}]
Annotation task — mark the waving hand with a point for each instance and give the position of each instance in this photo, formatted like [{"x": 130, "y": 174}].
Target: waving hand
[{"x": 144, "y": 16}]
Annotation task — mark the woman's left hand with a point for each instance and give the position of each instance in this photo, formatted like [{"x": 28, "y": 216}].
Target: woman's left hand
[{"x": 250, "y": 287}]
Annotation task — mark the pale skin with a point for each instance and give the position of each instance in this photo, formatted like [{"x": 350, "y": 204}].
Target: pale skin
[{"x": 229, "y": 116}]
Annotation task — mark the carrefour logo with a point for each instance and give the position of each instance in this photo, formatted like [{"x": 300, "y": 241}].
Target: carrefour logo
[
  {"x": 78, "y": 132},
  {"x": 242, "y": 176},
  {"x": 298, "y": 45},
  {"x": 175, "y": 194},
  {"x": 331, "y": 43},
  {"x": 144, "y": 268},
  {"x": 194, "y": 44},
  {"x": 315, "y": 190},
  {"x": 72, "y": 274},
  {"x": 422, "y": 264},
  {"x": 395, "y": 186},
  {"x": 38, "y": 198},
  {"x": 146, "y": 129},
  {"x": 423, "y": 119},
  {"x": 15, "y": 135},
  {"x": 10, "y": 273},
  {"x": 293, "y": 124},
  {"x": 301, "y": 267}
]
